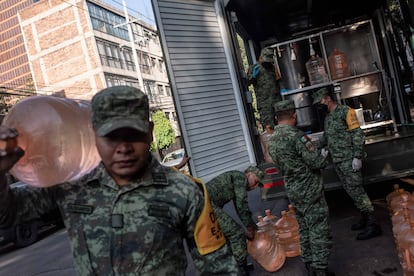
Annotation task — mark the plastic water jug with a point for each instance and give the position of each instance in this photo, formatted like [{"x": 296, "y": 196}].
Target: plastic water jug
[
  {"x": 396, "y": 201},
  {"x": 338, "y": 64},
  {"x": 291, "y": 211},
  {"x": 288, "y": 232},
  {"x": 265, "y": 249},
  {"x": 271, "y": 220},
  {"x": 406, "y": 250},
  {"x": 57, "y": 137},
  {"x": 315, "y": 67},
  {"x": 394, "y": 193}
]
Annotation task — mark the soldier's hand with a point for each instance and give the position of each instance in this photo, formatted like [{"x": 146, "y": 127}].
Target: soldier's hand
[
  {"x": 256, "y": 70},
  {"x": 250, "y": 231},
  {"x": 10, "y": 152},
  {"x": 324, "y": 152},
  {"x": 356, "y": 164}
]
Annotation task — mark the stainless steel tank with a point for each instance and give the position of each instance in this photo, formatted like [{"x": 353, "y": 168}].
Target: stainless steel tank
[{"x": 305, "y": 112}]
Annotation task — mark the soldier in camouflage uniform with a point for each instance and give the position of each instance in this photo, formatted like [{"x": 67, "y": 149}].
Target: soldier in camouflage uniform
[
  {"x": 300, "y": 162},
  {"x": 130, "y": 215},
  {"x": 345, "y": 140},
  {"x": 233, "y": 186},
  {"x": 266, "y": 87}
]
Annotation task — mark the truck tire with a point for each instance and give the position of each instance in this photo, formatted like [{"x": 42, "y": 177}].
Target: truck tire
[{"x": 26, "y": 233}]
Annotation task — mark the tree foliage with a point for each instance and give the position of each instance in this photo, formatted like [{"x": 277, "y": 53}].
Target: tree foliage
[
  {"x": 163, "y": 131},
  {"x": 246, "y": 66}
]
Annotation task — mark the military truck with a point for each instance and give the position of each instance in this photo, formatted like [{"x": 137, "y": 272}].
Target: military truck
[{"x": 207, "y": 45}]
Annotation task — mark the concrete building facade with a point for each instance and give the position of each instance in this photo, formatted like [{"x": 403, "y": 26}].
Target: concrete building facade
[{"x": 75, "y": 48}]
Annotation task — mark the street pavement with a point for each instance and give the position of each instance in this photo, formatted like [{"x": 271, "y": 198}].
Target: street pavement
[
  {"x": 350, "y": 257},
  {"x": 378, "y": 256}
]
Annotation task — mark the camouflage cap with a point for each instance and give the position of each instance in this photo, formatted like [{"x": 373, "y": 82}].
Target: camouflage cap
[
  {"x": 284, "y": 105},
  {"x": 118, "y": 107},
  {"x": 258, "y": 172},
  {"x": 267, "y": 54},
  {"x": 317, "y": 96}
]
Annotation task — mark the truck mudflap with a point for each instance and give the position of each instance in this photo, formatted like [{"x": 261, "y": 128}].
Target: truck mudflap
[{"x": 388, "y": 157}]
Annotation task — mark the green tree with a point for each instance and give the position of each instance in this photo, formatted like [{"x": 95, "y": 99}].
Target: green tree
[
  {"x": 4, "y": 105},
  {"x": 163, "y": 132},
  {"x": 245, "y": 67}
]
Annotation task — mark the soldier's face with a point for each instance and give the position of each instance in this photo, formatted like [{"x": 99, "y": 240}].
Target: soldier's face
[
  {"x": 124, "y": 153},
  {"x": 322, "y": 106},
  {"x": 252, "y": 181}
]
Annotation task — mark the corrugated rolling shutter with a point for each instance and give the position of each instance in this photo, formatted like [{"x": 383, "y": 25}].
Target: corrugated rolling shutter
[{"x": 206, "y": 93}]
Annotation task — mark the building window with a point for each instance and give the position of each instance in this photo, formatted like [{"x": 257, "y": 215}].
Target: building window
[
  {"x": 168, "y": 90},
  {"x": 128, "y": 58},
  {"x": 161, "y": 65},
  {"x": 161, "y": 89},
  {"x": 113, "y": 80},
  {"x": 144, "y": 64},
  {"x": 114, "y": 56},
  {"x": 108, "y": 22},
  {"x": 150, "y": 88}
]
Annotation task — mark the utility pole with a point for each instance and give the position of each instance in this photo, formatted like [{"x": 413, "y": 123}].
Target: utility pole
[{"x": 132, "y": 43}]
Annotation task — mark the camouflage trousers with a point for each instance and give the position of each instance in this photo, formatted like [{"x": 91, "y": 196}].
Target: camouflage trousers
[
  {"x": 267, "y": 115},
  {"x": 352, "y": 183},
  {"x": 314, "y": 231},
  {"x": 234, "y": 233}
]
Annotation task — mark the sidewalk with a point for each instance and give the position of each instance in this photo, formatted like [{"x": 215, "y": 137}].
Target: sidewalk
[{"x": 349, "y": 257}]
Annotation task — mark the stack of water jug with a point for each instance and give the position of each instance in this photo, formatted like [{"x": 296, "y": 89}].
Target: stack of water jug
[
  {"x": 401, "y": 206},
  {"x": 275, "y": 239}
]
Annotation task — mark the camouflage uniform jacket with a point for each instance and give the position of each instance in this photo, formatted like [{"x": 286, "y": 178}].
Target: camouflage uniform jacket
[
  {"x": 231, "y": 185},
  {"x": 265, "y": 84},
  {"x": 136, "y": 229},
  {"x": 343, "y": 134},
  {"x": 266, "y": 89},
  {"x": 299, "y": 161}
]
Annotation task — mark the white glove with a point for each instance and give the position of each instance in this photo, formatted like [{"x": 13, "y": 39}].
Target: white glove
[
  {"x": 356, "y": 164},
  {"x": 324, "y": 152}
]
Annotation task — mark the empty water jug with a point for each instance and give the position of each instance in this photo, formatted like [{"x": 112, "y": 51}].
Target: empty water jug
[
  {"x": 288, "y": 233},
  {"x": 265, "y": 249},
  {"x": 57, "y": 137}
]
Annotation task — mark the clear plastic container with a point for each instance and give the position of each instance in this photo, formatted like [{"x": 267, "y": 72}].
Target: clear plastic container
[
  {"x": 406, "y": 250},
  {"x": 57, "y": 137},
  {"x": 338, "y": 64},
  {"x": 265, "y": 249},
  {"x": 391, "y": 195},
  {"x": 271, "y": 220},
  {"x": 288, "y": 233},
  {"x": 397, "y": 201},
  {"x": 400, "y": 223},
  {"x": 315, "y": 67},
  {"x": 291, "y": 211}
]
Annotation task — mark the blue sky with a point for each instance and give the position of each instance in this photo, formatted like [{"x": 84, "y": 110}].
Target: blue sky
[{"x": 141, "y": 9}]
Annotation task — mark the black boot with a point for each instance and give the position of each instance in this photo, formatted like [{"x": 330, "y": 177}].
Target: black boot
[
  {"x": 322, "y": 272},
  {"x": 309, "y": 269},
  {"x": 244, "y": 269},
  {"x": 360, "y": 224},
  {"x": 372, "y": 229}
]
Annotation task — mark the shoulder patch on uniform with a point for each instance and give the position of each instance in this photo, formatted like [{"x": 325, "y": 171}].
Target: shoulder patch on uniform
[
  {"x": 304, "y": 139},
  {"x": 308, "y": 142},
  {"x": 207, "y": 234},
  {"x": 94, "y": 183},
  {"x": 80, "y": 208},
  {"x": 159, "y": 178},
  {"x": 352, "y": 119}
]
